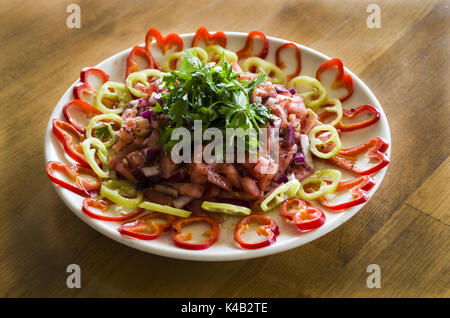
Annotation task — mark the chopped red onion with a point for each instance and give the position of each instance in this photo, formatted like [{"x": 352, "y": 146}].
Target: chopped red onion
[
  {"x": 143, "y": 102},
  {"x": 176, "y": 177},
  {"x": 290, "y": 135},
  {"x": 283, "y": 178},
  {"x": 155, "y": 98},
  {"x": 166, "y": 190},
  {"x": 149, "y": 154},
  {"x": 147, "y": 114},
  {"x": 133, "y": 103},
  {"x": 299, "y": 158},
  {"x": 280, "y": 88},
  {"x": 292, "y": 91}
]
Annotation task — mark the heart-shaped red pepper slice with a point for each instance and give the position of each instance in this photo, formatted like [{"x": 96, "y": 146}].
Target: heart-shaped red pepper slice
[
  {"x": 202, "y": 34},
  {"x": 281, "y": 63},
  {"x": 84, "y": 87},
  {"x": 342, "y": 79},
  {"x": 247, "y": 50}
]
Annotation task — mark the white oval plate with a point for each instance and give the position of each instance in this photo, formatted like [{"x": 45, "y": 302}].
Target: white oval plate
[{"x": 225, "y": 249}]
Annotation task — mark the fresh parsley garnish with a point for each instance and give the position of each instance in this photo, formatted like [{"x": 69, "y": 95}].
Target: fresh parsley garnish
[
  {"x": 103, "y": 132},
  {"x": 211, "y": 94}
]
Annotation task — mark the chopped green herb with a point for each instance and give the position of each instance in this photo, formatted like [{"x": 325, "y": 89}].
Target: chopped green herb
[{"x": 213, "y": 95}]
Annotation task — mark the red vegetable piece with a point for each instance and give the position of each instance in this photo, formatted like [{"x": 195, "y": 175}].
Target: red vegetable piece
[
  {"x": 351, "y": 113},
  {"x": 304, "y": 216},
  {"x": 103, "y": 205},
  {"x": 202, "y": 34},
  {"x": 247, "y": 50},
  {"x": 181, "y": 238},
  {"x": 84, "y": 87},
  {"x": 78, "y": 185},
  {"x": 79, "y": 106},
  {"x": 132, "y": 66},
  {"x": 375, "y": 148},
  {"x": 146, "y": 227},
  {"x": 65, "y": 133},
  {"x": 358, "y": 188},
  {"x": 268, "y": 228},
  {"x": 282, "y": 65},
  {"x": 342, "y": 79}
]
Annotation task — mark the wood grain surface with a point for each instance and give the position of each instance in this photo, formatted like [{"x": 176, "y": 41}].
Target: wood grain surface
[{"x": 404, "y": 228}]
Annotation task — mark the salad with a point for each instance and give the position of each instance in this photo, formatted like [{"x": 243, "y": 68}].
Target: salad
[{"x": 206, "y": 134}]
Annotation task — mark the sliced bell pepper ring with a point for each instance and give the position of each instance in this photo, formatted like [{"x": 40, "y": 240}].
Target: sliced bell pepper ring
[
  {"x": 358, "y": 188},
  {"x": 102, "y": 154},
  {"x": 143, "y": 77},
  {"x": 269, "y": 228},
  {"x": 317, "y": 142},
  {"x": 282, "y": 65},
  {"x": 116, "y": 94},
  {"x": 146, "y": 227},
  {"x": 375, "y": 148},
  {"x": 181, "y": 238},
  {"x": 84, "y": 86},
  {"x": 342, "y": 79},
  {"x": 304, "y": 216},
  {"x": 173, "y": 59},
  {"x": 164, "y": 43},
  {"x": 202, "y": 34},
  {"x": 258, "y": 65},
  {"x": 132, "y": 66},
  {"x": 121, "y": 192},
  {"x": 216, "y": 52},
  {"x": 99, "y": 121},
  {"x": 247, "y": 50},
  {"x": 350, "y": 113},
  {"x": 79, "y": 185},
  {"x": 327, "y": 180},
  {"x": 67, "y": 134},
  {"x": 283, "y": 192},
  {"x": 77, "y": 107},
  {"x": 164, "y": 209},
  {"x": 314, "y": 98},
  {"x": 104, "y": 205},
  {"x": 332, "y": 106},
  {"x": 226, "y": 208}
]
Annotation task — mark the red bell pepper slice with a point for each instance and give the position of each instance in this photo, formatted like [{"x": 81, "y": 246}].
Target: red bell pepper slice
[
  {"x": 146, "y": 227},
  {"x": 164, "y": 43},
  {"x": 103, "y": 205},
  {"x": 247, "y": 50},
  {"x": 181, "y": 238},
  {"x": 269, "y": 228},
  {"x": 358, "y": 189},
  {"x": 66, "y": 134},
  {"x": 342, "y": 79},
  {"x": 202, "y": 34},
  {"x": 375, "y": 148},
  {"x": 79, "y": 185},
  {"x": 351, "y": 113},
  {"x": 132, "y": 66},
  {"x": 84, "y": 87},
  {"x": 304, "y": 216},
  {"x": 79, "y": 107},
  {"x": 282, "y": 65}
]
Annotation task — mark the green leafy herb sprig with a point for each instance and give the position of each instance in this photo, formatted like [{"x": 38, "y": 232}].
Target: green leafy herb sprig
[{"x": 213, "y": 95}]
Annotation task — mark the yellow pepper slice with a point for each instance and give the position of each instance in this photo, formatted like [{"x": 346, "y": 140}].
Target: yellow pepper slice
[
  {"x": 175, "y": 58},
  {"x": 327, "y": 180},
  {"x": 215, "y": 53},
  {"x": 313, "y": 98},
  {"x": 283, "y": 192},
  {"x": 164, "y": 209},
  {"x": 143, "y": 78},
  {"x": 332, "y": 106},
  {"x": 121, "y": 192},
  {"x": 97, "y": 122},
  {"x": 102, "y": 153},
  {"x": 116, "y": 93},
  {"x": 258, "y": 65},
  {"x": 315, "y": 142},
  {"x": 226, "y": 208}
]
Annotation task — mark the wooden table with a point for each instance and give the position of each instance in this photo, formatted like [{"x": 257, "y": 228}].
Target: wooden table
[{"x": 404, "y": 228}]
